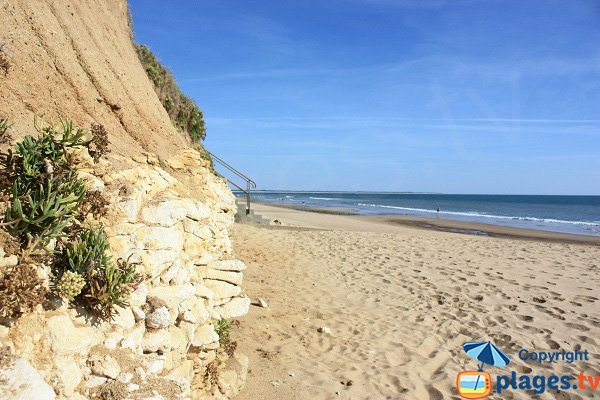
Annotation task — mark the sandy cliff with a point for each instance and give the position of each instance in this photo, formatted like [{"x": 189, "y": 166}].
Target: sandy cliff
[{"x": 75, "y": 59}]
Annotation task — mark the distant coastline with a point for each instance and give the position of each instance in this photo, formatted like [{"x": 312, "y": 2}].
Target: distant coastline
[
  {"x": 333, "y": 192},
  {"x": 578, "y": 215},
  {"x": 459, "y": 227}
]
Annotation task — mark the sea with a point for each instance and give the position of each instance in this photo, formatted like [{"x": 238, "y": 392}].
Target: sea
[{"x": 568, "y": 214}]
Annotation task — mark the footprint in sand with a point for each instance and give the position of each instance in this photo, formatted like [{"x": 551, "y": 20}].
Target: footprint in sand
[
  {"x": 577, "y": 326},
  {"x": 434, "y": 394}
]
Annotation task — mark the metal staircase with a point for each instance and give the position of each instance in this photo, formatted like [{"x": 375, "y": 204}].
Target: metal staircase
[{"x": 248, "y": 183}]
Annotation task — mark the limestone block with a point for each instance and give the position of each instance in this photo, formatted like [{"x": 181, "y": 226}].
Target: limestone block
[
  {"x": 64, "y": 338},
  {"x": 159, "y": 318},
  {"x": 222, "y": 290},
  {"x": 155, "y": 365},
  {"x": 68, "y": 375},
  {"x": 187, "y": 159},
  {"x": 154, "y": 262},
  {"x": 156, "y": 340},
  {"x": 189, "y": 329},
  {"x": 138, "y": 313},
  {"x": 91, "y": 181},
  {"x": 159, "y": 238},
  {"x": 104, "y": 365},
  {"x": 176, "y": 274},
  {"x": 195, "y": 247},
  {"x": 200, "y": 230},
  {"x": 120, "y": 246},
  {"x": 170, "y": 296},
  {"x": 94, "y": 381},
  {"x": 205, "y": 258},
  {"x": 134, "y": 339},
  {"x": 166, "y": 213},
  {"x": 124, "y": 318},
  {"x": 183, "y": 375},
  {"x": 204, "y": 335},
  {"x": 237, "y": 307},
  {"x": 20, "y": 380},
  {"x": 129, "y": 208},
  {"x": 227, "y": 276},
  {"x": 196, "y": 307},
  {"x": 138, "y": 296},
  {"x": 197, "y": 211},
  {"x": 179, "y": 339},
  {"x": 122, "y": 229}
]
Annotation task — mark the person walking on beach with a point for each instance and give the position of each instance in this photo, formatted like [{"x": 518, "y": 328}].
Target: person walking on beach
[{"x": 437, "y": 214}]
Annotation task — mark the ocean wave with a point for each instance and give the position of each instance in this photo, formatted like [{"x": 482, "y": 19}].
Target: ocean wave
[
  {"x": 323, "y": 198},
  {"x": 476, "y": 214}
]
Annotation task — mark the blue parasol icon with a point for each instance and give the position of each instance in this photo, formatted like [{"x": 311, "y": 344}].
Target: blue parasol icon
[{"x": 487, "y": 353}]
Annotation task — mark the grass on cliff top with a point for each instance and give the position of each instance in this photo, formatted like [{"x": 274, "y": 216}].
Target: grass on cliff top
[{"x": 183, "y": 111}]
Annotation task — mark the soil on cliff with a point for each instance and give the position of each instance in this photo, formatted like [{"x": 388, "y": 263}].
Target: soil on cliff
[{"x": 75, "y": 60}]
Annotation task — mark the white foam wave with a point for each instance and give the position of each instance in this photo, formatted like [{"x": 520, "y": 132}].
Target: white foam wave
[
  {"x": 476, "y": 214},
  {"x": 323, "y": 198}
]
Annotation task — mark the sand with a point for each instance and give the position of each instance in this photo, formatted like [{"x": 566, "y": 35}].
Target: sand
[
  {"x": 400, "y": 301},
  {"x": 75, "y": 60}
]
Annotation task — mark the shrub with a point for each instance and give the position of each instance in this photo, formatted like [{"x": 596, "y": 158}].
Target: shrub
[
  {"x": 99, "y": 144},
  {"x": 45, "y": 201},
  {"x": 106, "y": 285},
  {"x": 222, "y": 327},
  {"x": 183, "y": 111},
  {"x": 4, "y": 127},
  {"x": 21, "y": 290},
  {"x": 44, "y": 194},
  {"x": 41, "y": 213}
]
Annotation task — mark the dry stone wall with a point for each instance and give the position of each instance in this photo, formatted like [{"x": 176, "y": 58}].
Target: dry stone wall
[{"x": 172, "y": 219}]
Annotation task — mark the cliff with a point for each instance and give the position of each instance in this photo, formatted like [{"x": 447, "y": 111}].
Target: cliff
[
  {"x": 168, "y": 217},
  {"x": 75, "y": 59}
]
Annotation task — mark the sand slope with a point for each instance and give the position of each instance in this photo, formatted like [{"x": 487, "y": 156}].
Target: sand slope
[
  {"x": 400, "y": 302},
  {"x": 65, "y": 56}
]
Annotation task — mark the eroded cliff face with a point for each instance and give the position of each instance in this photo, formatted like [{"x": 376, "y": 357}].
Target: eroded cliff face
[
  {"x": 169, "y": 215},
  {"x": 172, "y": 219},
  {"x": 75, "y": 59}
]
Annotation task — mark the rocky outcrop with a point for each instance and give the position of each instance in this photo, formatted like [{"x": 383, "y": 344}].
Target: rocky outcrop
[{"x": 172, "y": 219}]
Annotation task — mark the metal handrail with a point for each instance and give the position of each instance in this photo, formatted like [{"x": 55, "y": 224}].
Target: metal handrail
[{"x": 250, "y": 184}]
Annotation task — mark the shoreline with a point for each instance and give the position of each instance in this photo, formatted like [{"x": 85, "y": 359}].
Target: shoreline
[
  {"x": 452, "y": 226},
  {"x": 377, "y": 307}
]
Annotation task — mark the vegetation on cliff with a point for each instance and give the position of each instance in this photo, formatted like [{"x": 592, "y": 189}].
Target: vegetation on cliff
[
  {"x": 51, "y": 214},
  {"x": 183, "y": 111}
]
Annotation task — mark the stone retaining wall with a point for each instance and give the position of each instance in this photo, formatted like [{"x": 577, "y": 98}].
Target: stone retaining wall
[{"x": 172, "y": 219}]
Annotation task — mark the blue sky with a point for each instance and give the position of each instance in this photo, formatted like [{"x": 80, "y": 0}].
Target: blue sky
[{"x": 454, "y": 96}]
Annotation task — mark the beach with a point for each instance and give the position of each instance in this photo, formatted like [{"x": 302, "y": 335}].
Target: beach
[{"x": 364, "y": 308}]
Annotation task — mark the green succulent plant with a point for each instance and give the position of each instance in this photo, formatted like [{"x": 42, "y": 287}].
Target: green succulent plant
[
  {"x": 222, "y": 327},
  {"x": 44, "y": 211},
  {"x": 108, "y": 284},
  {"x": 4, "y": 125}
]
